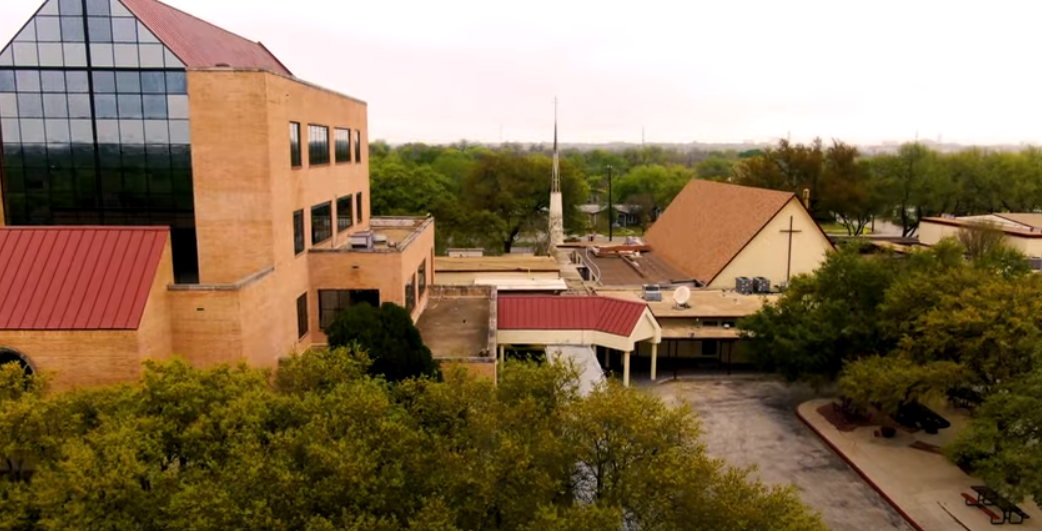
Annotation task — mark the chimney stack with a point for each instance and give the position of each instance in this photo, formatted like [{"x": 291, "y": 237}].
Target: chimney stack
[{"x": 806, "y": 198}]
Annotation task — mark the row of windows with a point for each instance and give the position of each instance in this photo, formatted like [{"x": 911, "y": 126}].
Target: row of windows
[
  {"x": 348, "y": 212},
  {"x": 330, "y": 303},
  {"x": 105, "y": 82},
  {"x": 318, "y": 145},
  {"x": 417, "y": 283},
  {"x": 65, "y": 131},
  {"x": 49, "y": 28},
  {"x": 148, "y": 106}
]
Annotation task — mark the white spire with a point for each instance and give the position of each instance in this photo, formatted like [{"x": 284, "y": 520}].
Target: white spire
[{"x": 555, "y": 236}]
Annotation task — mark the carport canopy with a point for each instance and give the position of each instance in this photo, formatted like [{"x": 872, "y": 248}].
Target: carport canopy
[{"x": 577, "y": 320}]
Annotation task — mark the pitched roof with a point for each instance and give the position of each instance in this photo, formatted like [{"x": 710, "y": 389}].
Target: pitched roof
[
  {"x": 1031, "y": 219},
  {"x": 604, "y": 314},
  {"x": 709, "y": 223},
  {"x": 77, "y": 278},
  {"x": 199, "y": 44}
]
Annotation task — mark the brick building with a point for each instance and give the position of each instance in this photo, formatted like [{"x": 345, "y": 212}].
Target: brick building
[{"x": 134, "y": 114}]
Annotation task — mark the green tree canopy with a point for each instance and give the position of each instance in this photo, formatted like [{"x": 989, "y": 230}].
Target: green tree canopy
[
  {"x": 388, "y": 335},
  {"x": 324, "y": 446}
]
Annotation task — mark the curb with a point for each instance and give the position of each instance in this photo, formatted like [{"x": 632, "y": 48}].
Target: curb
[{"x": 860, "y": 472}]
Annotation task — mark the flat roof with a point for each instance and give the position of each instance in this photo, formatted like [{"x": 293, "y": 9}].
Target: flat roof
[
  {"x": 648, "y": 268},
  {"x": 1008, "y": 229},
  {"x": 480, "y": 264},
  {"x": 524, "y": 284},
  {"x": 702, "y": 304},
  {"x": 456, "y": 327}
]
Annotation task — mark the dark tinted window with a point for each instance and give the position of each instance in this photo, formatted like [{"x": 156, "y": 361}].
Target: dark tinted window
[
  {"x": 294, "y": 144},
  {"x": 321, "y": 223},
  {"x": 318, "y": 145},
  {"x": 298, "y": 232},
  {"x": 344, "y": 213},
  {"x": 343, "y": 145},
  {"x": 332, "y": 301},
  {"x": 302, "y": 315}
]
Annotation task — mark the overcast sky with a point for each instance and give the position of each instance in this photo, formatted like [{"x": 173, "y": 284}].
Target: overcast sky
[{"x": 697, "y": 70}]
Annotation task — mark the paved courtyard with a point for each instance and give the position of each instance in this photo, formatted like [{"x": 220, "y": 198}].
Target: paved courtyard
[{"x": 750, "y": 421}]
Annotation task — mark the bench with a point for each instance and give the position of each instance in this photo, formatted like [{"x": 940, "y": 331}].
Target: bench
[
  {"x": 971, "y": 501},
  {"x": 988, "y": 496}
]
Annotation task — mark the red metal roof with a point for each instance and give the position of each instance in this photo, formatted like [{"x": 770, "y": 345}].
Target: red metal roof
[
  {"x": 199, "y": 44},
  {"x": 605, "y": 314},
  {"x": 77, "y": 278}
]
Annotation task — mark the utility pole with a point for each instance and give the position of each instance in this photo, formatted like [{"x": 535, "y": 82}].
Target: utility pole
[{"x": 611, "y": 222}]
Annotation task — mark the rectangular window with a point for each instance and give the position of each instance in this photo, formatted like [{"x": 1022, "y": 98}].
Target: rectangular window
[
  {"x": 298, "y": 232},
  {"x": 358, "y": 206},
  {"x": 421, "y": 277},
  {"x": 343, "y": 145},
  {"x": 344, "y": 213},
  {"x": 358, "y": 146},
  {"x": 302, "y": 315},
  {"x": 318, "y": 145},
  {"x": 333, "y": 301},
  {"x": 294, "y": 144},
  {"x": 321, "y": 223},
  {"x": 410, "y": 294}
]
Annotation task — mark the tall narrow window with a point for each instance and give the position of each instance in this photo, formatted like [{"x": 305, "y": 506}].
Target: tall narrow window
[
  {"x": 410, "y": 294},
  {"x": 358, "y": 146},
  {"x": 318, "y": 145},
  {"x": 358, "y": 206},
  {"x": 302, "y": 315},
  {"x": 421, "y": 277},
  {"x": 344, "y": 213},
  {"x": 321, "y": 223},
  {"x": 343, "y": 145},
  {"x": 294, "y": 144},
  {"x": 298, "y": 232}
]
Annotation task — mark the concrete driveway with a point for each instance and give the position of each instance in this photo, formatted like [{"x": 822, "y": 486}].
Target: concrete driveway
[{"x": 752, "y": 421}]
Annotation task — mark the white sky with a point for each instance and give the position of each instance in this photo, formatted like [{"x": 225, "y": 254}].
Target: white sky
[{"x": 698, "y": 70}]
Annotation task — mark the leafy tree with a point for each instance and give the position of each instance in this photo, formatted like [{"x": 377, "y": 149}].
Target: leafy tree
[
  {"x": 660, "y": 183},
  {"x": 980, "y": 238},
  {"x": 849, "y": 190},
  {"x": 715, "y": 168},
  {"x": 516, "y": 189},
  {"x": 388, "y": 335},
  {"x": 1001, "y": 443},
  {"x": 823, "y": 320},
  {"x": 888, "y": 382},
  {"x": 788, "y": 167},
  {"x": 328, "y": 447}
]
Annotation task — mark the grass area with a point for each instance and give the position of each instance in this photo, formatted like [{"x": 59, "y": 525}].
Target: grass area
[{"x": 839, "y": 228}]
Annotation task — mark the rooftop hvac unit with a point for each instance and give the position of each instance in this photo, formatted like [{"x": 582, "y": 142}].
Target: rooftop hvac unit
[
  {"x": 652, "y": 293},
  {"x": 362, "y": 240},
  {"x": 379, "y": 238},
  {"x": 743, "y": 285},
  {"x": 761, "y": 285}
]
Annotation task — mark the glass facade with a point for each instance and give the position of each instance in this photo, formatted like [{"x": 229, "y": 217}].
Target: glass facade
[{"x": 94, "y": 126}]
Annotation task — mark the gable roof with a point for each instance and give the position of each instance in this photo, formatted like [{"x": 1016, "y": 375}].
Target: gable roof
[
  {"x": 709, "y": 223},
  {"x": 1029, "y": 219},
  {"x": 77, "y": 278},
  {"x": 199, "y": 44},
  {"x": 604, "y": 314}
]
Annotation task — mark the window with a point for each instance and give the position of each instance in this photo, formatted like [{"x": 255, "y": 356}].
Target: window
[
  {"x": 318, "y": 145},
  {"x": 344, "y": 213},
  {"x": 298, "y": 232},
  {"x": 302, "y": 315},
  {"x": 294, "y": 144},
  {"x": 321, "y": 223},
  {"x": 358, "y": 206},
  {"x": 358, "y": 146},
  {"x": 421, "y": 277},
  {"x": 333, "y": 301},
  {"x": 410, "y": 294},
  {"x": 343, "y": 145}
]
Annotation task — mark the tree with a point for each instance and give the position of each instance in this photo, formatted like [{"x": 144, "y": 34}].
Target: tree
[
  {"x": 715, "y": 168},
  {"x": 328, "y": 447},
  {"x": 889, "y": 382},
  {"x": 848, "y": 188},
  {"x": 981, "y": 238},
  {"x": 823, "y": 320},
  {"x": 515, "y": 188},
  {"x": 388, "y": 335},
  {"x": 659, "y": 183},
  {"x": 788, "y": 167},
  {"x": 1000, "y": 445}
]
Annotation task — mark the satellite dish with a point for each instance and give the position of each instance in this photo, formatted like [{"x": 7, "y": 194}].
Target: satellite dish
[{"x": 682, "y": 295}]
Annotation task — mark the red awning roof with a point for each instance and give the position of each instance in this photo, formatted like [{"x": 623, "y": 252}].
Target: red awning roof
[
  {"x": 199, "y": 44},
  {"x": 604, "y": 314},
  {"x": 77, "y": 278}
]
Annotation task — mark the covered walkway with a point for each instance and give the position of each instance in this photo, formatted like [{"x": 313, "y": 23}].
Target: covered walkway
[{"x": 578, "y": 321}]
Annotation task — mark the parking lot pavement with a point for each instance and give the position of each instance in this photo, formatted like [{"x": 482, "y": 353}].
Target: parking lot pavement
[{"x": 753, "y": 422}]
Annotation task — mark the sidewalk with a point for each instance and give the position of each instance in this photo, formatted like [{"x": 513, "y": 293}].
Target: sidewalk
[{"x": 922, "y": 485}]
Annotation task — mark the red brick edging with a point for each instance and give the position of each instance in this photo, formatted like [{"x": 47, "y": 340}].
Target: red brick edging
[{"x": 860, "y": 472}]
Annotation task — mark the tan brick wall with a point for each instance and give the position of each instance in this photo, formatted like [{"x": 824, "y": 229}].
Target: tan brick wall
[
  {"x": 78, "y": 358},
  {"x": 155, "y": 335},
  {"x": 421, "y": 248}
]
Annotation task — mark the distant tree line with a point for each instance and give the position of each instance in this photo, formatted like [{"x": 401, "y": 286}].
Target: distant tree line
[{"x": 492, "y": 197}]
